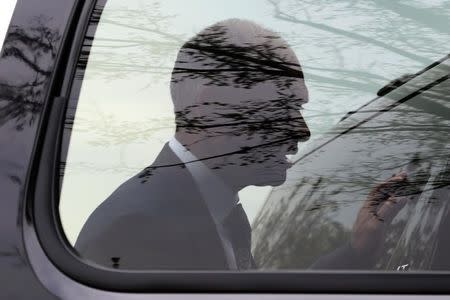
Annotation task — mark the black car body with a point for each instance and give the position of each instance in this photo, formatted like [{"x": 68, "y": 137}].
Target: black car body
[{"x": 36, "y": 261}]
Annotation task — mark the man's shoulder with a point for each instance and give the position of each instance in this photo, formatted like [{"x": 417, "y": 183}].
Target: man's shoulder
[
  {"x": 150, "y": 190},
  {"x": 164, "y": 196}
]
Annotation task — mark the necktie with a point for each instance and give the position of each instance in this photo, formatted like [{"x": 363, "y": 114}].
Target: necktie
[{"x": 238, "y": 231}]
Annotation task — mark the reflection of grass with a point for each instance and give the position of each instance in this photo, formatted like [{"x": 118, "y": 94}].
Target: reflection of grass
[{"x": 285, "y": 238}]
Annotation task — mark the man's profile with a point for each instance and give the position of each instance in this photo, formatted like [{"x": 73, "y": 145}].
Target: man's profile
[{"x": 237, "y": 91}]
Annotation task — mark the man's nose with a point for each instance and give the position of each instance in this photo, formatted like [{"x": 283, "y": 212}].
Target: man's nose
[{"x": 301, "y": 128}]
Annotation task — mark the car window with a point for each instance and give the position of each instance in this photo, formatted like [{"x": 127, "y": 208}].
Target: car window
[
  {"x": 5, "y": 14},
  {"x": 216, "y": 135}
]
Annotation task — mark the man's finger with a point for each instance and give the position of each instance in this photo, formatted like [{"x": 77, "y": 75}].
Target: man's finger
[
  {"x": 384, "y": 191},
  {"x": 395, "y": 180},
  {"x": 387, "y": 189},
  {"x": 390, "y": 208}
]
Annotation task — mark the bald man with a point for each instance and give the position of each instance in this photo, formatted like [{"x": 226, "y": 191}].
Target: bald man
[{"x": 237, "y": 91}]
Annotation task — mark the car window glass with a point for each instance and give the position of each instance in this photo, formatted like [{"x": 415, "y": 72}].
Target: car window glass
[{"x": 250, "y": 135}]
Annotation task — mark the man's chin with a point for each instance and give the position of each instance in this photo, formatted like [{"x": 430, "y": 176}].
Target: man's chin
[
  {"x": 274, "y": 184},
  {"x": 273, "y": 180}
]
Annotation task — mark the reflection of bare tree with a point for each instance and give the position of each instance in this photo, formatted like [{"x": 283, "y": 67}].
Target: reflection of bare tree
[
  {"x": 147, "y": 42},
  {"x": 288, "y": 16},
  {"x": 402, "y": 23},
  {"x": 35, "y": 47},
  {"x": 149, "y": 39},
  {"x": 221, "y": 62},
  {"x": 430, "y": 17}
]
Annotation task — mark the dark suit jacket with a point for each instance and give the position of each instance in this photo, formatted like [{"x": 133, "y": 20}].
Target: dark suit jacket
[
  {"x": 159, "y": 224},
  {"x": 164, "y": 224}
]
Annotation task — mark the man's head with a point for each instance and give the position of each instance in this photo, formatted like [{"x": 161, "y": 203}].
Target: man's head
[{"x": 237, "y": 89}]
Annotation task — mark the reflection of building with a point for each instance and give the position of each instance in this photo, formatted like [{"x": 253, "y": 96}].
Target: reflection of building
[{"x": 313, "y": 212}]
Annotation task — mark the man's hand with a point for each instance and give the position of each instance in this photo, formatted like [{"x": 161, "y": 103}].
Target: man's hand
[{"x": 381, "y": 206}]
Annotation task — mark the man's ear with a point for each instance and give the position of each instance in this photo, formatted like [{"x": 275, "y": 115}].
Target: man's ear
[{"x": 206, "y": 105}]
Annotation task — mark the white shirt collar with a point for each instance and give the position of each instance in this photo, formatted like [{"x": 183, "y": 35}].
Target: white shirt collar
[{"x": 219, "y": 198}]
